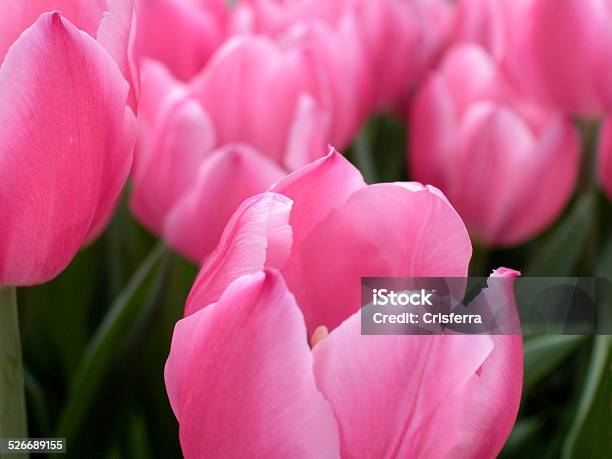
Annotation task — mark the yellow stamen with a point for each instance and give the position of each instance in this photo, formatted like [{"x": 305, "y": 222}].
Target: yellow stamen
[{"x": 319, "y": 335}]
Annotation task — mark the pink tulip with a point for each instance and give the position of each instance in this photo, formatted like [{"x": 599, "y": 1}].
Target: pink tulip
[
  {"x": 187, "y": 181},
  {"x": 253, "y": 86},
  {"x": 509, "y": 168},
  {"x": 404, "y": 38},
  {"x": 242, "y": 379},
  {"x": 604, "y": 168},
  {"x": 401, "y": 37},
  {"x": 563, "y": 54},
  {"x": 258, "y": 110},
  {"x": 67, "y": 139},
  {"x": 183, "y": 34},
  {"x": 490, "y": 23}
]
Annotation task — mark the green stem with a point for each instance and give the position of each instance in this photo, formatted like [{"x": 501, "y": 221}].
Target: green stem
[
  {"x": 363, "y": 156},
  {"x": 587, "y": 179},
  {"x": 587, "y": 183},
  {"x": 12, "y": 399}
]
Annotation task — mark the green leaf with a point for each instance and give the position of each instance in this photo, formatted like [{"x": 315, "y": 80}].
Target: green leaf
[
  {"x": 131, "y": 305},
  {"x": 604, "y": 264},
  {"x": 13, "y": 422},
  {"x": 543, "y": 354},
  {"x": 36, "y": 401},
  {"x": 57, "y": 315},
  {"x": 561, "y": 252},
  {"x": 389, "y": 148},
  {"x": 139, "y": 441},
  {"x": 153, "y": 351},
  {"x": 126, "y": 245},
  {"x": 590, "y": 434},
  {"x": 379, "y": 151}
]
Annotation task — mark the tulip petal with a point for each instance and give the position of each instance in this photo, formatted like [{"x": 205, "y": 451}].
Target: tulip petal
[
  {"x": 239, "y": 377},
  {"x": 258, "y": 235},
  {"x": 559, "y": 69},
  {"x": 176, "y": 137},
  {"x": 397, "y": 396},
  {"x": 466, "y": 75},
  {"x": 470, "y": 74},
  {"x": 196, "y": 32},
  {"x": 157, "y": 87},
  {"x": 115, "y": 173},
  {"x": 308, "y": 134},
  {"x": 318, "y": 188},
  {"x": 381, "y": 230},
  {"x": 420, "y": 396},
  {"x": 65, "y": 147},
  {"x": 432, "y": 127},
  {"x": 273, "y": 17},
  {"x": 494, "y": 399},
  {"x": 16, "y": 16},
  {"x": 546, "y": 183},
  {"x": 225, "y": 179},
  {"x": 117, "y": 34},
  {"x": 391, "y": 29},
  {"x": 494, "y": 146},
  {"x": 347, "y": 80},
  {"x": 248, "y": 76},
  {"x": 502, "y": 155},
  {"x": 483, "y": 22}
]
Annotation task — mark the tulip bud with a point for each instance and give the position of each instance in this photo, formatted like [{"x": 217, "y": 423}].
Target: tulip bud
[
  {"x": 404, "y": 38},
  {"x": 508, "y": 167},
  {"x": 67, "y": 139},
  {"x": 563, "y": 55}
]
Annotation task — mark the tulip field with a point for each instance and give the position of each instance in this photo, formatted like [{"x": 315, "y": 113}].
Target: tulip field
[{"x": 197, "y": 196}]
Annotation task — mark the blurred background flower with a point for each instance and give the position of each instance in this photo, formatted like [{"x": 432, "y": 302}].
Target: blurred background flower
[
  {"x": 183, "y": 34},
  {"x": 563, "y": 54},
  {"x": 507, "y": 166}
]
